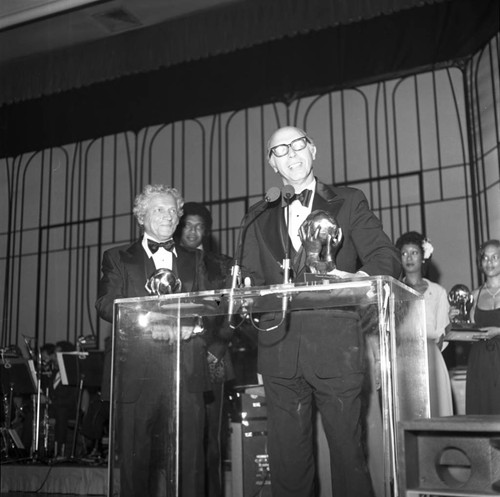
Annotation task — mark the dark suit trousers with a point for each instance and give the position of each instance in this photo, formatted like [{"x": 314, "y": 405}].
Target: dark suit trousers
[
  {"x": 214, "y": 406},
  {"x": 142, "y": 448},
  {"x": 290, "y": 433}
]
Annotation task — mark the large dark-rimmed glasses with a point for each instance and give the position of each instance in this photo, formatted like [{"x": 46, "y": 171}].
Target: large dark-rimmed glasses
[{"x": 296, "y": 145}]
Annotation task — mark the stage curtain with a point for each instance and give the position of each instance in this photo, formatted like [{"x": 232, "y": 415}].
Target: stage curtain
[{"x": 233, "y": 26}]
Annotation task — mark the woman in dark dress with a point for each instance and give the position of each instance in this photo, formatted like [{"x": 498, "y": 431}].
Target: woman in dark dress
[{"x": 483, "y": 371}]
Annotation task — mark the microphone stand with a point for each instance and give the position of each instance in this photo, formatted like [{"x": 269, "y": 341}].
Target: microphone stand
[
  {"x": 235, "y": 280},
  {"x": 288, "y": 193},
  {"x": 271, "y": 195},
  {"x": 36, "y": 435}
]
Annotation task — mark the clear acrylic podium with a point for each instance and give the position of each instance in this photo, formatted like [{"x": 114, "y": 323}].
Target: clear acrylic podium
[{"x": 147, "y": 353}]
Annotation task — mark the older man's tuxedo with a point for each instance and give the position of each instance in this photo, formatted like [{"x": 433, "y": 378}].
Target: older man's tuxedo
[
  {"x": 125, "y": 271},
  {"x": 316, "y": 354}
]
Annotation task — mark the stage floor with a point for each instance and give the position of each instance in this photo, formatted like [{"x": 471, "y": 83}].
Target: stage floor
[
  {"x": 66, "y": 480},
  {"x": 56, "y": 479},
  {"x": 32, "y": 494}
]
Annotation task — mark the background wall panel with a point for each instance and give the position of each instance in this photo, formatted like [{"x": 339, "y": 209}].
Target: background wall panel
[{"x": 423, "y": 148}]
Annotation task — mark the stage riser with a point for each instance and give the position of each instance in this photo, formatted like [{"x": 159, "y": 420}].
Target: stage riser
[{"x": 452, "y": 456}]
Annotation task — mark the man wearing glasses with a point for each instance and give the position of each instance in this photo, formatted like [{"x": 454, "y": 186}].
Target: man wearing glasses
[{"x": 316, "y": 357}]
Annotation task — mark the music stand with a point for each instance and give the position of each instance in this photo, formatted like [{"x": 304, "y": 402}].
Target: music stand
[
  {"x": 80, "y": 369},
  {"x": 17, "y": 377}
]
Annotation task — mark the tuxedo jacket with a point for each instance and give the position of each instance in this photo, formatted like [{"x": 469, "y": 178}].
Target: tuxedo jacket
[
  {"x": 330, "y": 340},
  {"x": 125, "y": 270}
]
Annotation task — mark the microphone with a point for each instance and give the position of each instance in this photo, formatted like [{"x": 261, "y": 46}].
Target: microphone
[
  {"x": 271, "y": 196},
  {"x": 288, "y": 191}
]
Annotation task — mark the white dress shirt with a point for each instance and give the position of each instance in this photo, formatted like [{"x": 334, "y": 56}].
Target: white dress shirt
[
  {"x": 162, "y": 258},
  {"x": 298, "y": 214}
]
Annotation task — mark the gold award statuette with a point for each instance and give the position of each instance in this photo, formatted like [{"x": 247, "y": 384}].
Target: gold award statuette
[{"x": 461, "y": 299}]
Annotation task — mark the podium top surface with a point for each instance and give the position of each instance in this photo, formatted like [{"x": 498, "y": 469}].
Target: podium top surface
[{"x": 321, "y": 294}]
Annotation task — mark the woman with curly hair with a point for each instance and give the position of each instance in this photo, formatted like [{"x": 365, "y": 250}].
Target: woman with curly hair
[{"x": 416, "y": 250}]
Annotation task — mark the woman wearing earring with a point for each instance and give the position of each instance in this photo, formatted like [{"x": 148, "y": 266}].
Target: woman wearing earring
[
  {"x": 416, "y": 250},
  {"x": 482, "y": 394}
]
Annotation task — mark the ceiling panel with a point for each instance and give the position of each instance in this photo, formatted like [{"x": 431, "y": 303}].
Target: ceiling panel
[{"x": 29, "y": 27}]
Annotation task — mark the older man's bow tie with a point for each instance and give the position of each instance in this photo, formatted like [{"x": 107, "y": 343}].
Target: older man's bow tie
[
  {"x": 154, "y": 246},
  {"x": 304, "y": 197}
]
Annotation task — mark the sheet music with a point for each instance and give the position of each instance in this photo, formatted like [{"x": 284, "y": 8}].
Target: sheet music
[{"x": 62, "y": 367}]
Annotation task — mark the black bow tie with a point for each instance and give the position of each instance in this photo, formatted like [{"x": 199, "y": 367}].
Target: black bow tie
[
  {"x": 304, "y": 197},
  {"x": 154, "y": 246}
]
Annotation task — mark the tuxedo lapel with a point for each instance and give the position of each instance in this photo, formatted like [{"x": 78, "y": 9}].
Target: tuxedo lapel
[
  {"x": 327, "y": 200},
  {"x": 278, "y": 232},
  {"x": 139, "y": 268},
  {"x": 274, "y": 229},
  {"x": 299, "y": 263},
  {"x": 184, "y": 266}
]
